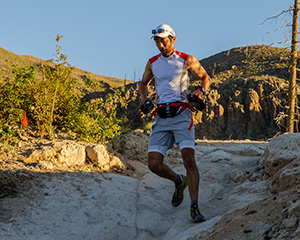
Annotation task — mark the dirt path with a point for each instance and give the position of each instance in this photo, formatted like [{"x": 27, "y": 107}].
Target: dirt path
[{"x": 89, "y": 205}]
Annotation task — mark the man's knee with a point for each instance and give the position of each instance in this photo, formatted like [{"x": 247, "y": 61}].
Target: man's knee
[
  {"x": 189, "y": 159},
  {"x": 190, "y": 163},
  {"x": 153, "y": 165},
  {"x": 155, "y": 161}
]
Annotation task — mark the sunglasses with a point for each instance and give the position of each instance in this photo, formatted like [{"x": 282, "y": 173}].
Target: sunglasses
[{"x": 160, "y": 30}]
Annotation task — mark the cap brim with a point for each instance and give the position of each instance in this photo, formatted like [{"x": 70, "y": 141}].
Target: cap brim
[{"x": 162, "y": 35}]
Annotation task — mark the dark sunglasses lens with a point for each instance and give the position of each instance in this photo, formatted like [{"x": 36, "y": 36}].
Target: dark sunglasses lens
[
  {"x": 160, "y": 30},
  {"x": 154, "y": 31}
]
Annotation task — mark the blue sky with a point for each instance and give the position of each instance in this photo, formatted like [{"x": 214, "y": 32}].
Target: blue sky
[{"x": 112, "y": 37}]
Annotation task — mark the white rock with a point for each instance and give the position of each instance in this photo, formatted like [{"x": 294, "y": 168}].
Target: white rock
[
  {"x": 281, "y": 151},
  {"x": 46, "y": 153},
  {"x": 98, "y": 155},
  {"x": 45, "y": 165},
  {"x": 285, "y": 179},
  {"x": 70, "y": 153},
  {"x": 116, "y": 162}
]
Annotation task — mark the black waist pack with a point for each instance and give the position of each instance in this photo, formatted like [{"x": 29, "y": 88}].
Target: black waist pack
[{"x": 168, "y": 110}]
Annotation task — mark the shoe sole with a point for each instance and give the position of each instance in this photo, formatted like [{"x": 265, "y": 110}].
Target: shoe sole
[{"x": 198, "y": 219}]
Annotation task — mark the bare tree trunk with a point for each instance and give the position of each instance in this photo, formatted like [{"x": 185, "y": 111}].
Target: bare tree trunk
[{"x": 293, "y": 70}]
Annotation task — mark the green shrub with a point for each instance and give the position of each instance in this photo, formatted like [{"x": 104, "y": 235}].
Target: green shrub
[{"x": 52, "y": 104}]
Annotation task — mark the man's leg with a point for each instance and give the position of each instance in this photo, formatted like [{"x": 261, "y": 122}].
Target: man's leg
[
  {"x": 188, "y": 156},
  {"x": 156, "y": 165}
]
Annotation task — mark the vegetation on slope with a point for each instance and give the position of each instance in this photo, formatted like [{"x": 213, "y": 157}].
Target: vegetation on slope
[{"x": 54, "y": 100}]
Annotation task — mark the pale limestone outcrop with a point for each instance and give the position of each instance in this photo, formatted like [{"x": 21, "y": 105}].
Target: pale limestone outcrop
[{"x": 67, "y": 153}]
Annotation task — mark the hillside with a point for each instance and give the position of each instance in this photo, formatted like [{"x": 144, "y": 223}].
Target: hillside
[
  {"x": 249, "y": 92},
  {"x": 83, "y": 78}
]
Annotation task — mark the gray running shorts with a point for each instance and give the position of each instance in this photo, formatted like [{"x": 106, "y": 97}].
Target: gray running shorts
[{"x": 167, "y": 131}]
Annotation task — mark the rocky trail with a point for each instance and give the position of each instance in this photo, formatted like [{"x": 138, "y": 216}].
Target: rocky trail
[{"x": 243, "y": 195}]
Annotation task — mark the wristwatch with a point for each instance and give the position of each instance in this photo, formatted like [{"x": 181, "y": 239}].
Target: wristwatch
[{"x": 202, "y": 90}]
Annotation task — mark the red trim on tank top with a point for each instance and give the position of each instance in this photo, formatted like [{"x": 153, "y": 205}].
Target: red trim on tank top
[
  {"x": 180, "y": 86},
  {"x": 153, "y": 59},
  {"x": 183, "y": 55},
  {"x": 192, "y": 123}
]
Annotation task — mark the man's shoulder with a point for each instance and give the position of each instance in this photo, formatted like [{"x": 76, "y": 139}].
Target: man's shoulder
[
  {"x": 183, "y": 55},
  {"x": 154, "y": 58}
]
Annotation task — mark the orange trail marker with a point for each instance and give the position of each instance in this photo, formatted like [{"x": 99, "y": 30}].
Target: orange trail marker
[{"x": 24, "y": 121}]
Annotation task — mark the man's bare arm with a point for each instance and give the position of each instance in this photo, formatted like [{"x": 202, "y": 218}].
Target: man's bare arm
[
  {"x": 147, "y": 77},
  {"x": 195, "y": 67}
]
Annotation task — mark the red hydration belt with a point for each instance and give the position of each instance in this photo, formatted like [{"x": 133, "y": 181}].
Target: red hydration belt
[{"x": 166, "y": 110}]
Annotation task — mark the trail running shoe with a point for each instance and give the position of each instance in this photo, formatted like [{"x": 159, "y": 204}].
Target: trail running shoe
[
  {"x": 178, "y": 194},
  {"x": 196, "y": 216}
]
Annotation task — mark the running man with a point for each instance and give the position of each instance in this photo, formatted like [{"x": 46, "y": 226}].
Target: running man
[{"x": 173, "y": 120}]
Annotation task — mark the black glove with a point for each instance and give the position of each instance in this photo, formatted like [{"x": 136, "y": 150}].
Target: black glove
[
  {"x": 147, "y": 107},
  {"x": 196, "y": 102}
]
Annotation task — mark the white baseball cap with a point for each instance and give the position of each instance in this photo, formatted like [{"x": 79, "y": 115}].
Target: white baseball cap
[{"x": 163, "y": 30}]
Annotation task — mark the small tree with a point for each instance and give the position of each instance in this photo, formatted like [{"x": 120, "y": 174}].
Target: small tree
[
  {"x": 292, "y": 94},
  {"x": 57, "y": 100},
  {"x": 293, "y": 70}
]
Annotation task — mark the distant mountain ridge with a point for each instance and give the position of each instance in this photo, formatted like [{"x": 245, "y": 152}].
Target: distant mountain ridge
[
  {"x": 257, "y": 60},
  {"x": 82, "y": 77}
]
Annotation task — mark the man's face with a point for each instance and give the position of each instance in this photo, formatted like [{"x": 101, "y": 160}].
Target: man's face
[{"x": 165, "y": 45}]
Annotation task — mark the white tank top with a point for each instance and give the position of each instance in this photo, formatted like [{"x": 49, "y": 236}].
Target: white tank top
[{"x": 171, "y": 77}]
